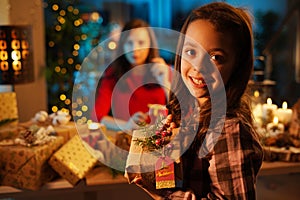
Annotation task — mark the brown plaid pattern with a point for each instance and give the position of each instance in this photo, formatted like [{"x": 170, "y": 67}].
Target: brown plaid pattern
[{"x": 234, "y": 163}]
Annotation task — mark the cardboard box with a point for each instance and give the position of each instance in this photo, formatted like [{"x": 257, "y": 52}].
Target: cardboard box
[
  {"x": 73, "y": 160},
  {"x": 27, "y": 167}
]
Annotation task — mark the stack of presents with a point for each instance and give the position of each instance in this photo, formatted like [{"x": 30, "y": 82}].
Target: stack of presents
[{"x": 44, "y": 148}]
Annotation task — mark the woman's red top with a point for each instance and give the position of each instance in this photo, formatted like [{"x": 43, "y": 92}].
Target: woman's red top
[{"x": 112, "y": 100}]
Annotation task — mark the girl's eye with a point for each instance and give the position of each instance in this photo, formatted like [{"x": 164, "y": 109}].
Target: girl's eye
[
  {"x": 217, "y": 58},
  {"x": 190, "y": 52}
]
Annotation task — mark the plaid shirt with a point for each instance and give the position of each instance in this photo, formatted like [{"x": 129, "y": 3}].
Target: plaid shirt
[{"x": 229, "y": 169}]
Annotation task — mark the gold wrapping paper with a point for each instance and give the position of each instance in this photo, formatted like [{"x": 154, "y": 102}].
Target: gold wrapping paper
[
  {"x": 8, "y": 106},
  {"x": 10, "y": 131},
  {"x": 27, "y": 167},
  {"x": 66, "y": 131},
  {"x": 73, "y": 160}
]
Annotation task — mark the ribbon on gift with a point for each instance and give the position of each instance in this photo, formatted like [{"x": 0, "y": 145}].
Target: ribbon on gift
[{"x": 35, "y": 135}]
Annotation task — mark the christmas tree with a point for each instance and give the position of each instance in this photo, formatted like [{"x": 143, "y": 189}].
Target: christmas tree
[
  {"x": 63, "y": 35},
  {"x": 75, "y": 49}
]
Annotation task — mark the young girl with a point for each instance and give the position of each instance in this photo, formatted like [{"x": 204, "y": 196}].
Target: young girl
[
  {"x": 125, "y": 79},
  {"x": 225, "y": 165}
]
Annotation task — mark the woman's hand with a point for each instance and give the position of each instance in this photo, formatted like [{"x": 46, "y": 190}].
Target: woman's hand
[
  {"x": 160, "y": 71},
  {"x": 137, "y": 119}
]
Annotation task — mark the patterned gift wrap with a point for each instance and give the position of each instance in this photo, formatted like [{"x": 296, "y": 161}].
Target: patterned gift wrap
[
  {"x": 27, "y": 167},
  {"x": 10, "y": 131},
  {"x": 73, "y": 160},
  {"x": 67, "y": 131},
  {"x": 8, "y": 106}
]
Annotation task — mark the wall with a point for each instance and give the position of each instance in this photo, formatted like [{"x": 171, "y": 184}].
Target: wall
[{"x": 31, "y": 97}]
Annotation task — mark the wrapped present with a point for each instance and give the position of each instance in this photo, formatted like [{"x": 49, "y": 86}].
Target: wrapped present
[
  {"x": 59, "y": 120},
  {"x": 74, "y": 160},
  {"x": 123, "y": 140},
  {"x": 67, "y": 131},
  {"x": 10, "y": 131},
  {"x": 114, "y": 155},
  {"x": 27, "y": 167},
  {"x": 8, "y": 106},
  {"x": 147, "y": 165}
]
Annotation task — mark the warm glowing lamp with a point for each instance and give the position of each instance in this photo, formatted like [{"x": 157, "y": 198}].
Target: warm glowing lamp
[
  {"x": 16, "y": 56},
  {"x": 16, "y": 66}
]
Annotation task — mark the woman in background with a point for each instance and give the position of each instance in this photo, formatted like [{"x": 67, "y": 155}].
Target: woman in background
[{"x": 137, "y": 75}]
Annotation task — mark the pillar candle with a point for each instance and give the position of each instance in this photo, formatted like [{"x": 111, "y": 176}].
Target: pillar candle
[
  {"x": 268, "y": 111},
  {"x": 284, "y": 114}
]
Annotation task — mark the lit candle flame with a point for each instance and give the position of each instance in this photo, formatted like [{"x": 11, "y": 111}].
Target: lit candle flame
[
  {"x": 284, "y": 105},
  {"x": 256, "y": 93},
  {"x": 275, "y": 120},
  {"x": 93, "y": 126},
  {"x": 269, "y": 101}
]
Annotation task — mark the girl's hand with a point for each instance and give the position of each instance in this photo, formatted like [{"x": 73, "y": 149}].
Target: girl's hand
[
  {"x": 169, "y": 123},
  {"x": 180, "y": 195}
]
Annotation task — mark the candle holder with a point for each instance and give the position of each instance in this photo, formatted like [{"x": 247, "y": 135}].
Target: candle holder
[{"x": 275, "y": 127}]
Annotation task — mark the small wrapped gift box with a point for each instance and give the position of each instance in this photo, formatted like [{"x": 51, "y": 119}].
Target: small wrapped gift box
[
  {"x": 27, "y": 167},
  {"x": 73, "y": 160}
]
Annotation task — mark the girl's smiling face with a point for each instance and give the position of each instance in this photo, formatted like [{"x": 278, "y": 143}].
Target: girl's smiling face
[{"x": 203, "y": 48}]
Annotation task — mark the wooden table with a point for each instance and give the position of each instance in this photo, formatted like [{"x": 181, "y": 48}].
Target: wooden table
[
  {"x": 101, "y": 179},
  {"x": 277, "y": 168}
]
